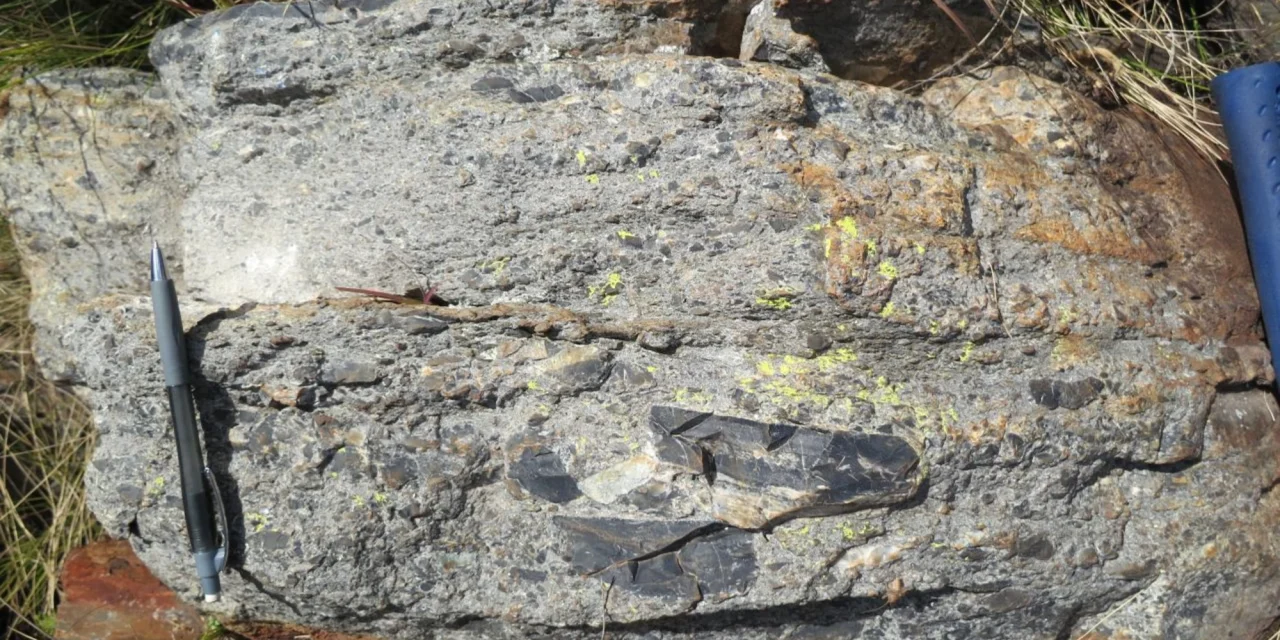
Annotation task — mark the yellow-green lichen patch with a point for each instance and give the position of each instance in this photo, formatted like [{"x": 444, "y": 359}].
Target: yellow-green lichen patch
[
  {"x": 921, "y": 415},
  {"x": 847, "y": 532},
  {"x": 840, "y": 236},
  {"x": 931, "y": 417},
  {"x": 871, "y": 248},
  {"x": 258, "y": 521},
  {"x": 777, "y": 299},
  {"x": 951, "y": 413},
  {"x": 966, "y": 352},
  {"x": 887, "y": 269},
  {"x": 157, "y": 487},
  {"x": 790, "y": 380},
  {"x": 833, "y": 385},
  {"x": 864, "y": 530},
  {"x": 777, "y": 303},
  {"x": 496, "y": 267},
  {"x": 919, "y": 248},
  {"x": 379, "y": 498},
  {"x": 887, "y": 309},
  {"x": 817, "y": 226},
  {"x": 624, "y": 234},
  {"x": 581, "y": 155},
  {"x": 780, "y": 389},
  {"x": 358, "y": 501},
  {"x": 795, "y": 538},
  {"x": 848, "y": 227},
  {"x": 1066, "y": 315},
  {"x": 608, "y": 291},
  {"x": 886, "y": 392},
  {"x": 831, "y": 359},
  {"x": 593, "y": 178}
]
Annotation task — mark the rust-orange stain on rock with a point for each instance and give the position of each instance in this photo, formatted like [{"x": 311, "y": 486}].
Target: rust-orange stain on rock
[
  {"x": 108, "y": 594},
  {"x": 877, "y": 234},
  {"x": 1152, "y": 200},
  {"x": 282, "y": 631}
]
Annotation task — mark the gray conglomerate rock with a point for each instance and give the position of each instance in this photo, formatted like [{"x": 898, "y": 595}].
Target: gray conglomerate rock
[
  {"x": 768, "y": 38},
  {"x": 731, "y": 350}
]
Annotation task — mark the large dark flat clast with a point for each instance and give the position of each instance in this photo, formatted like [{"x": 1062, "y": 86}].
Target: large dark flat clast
[
  {"x": 684, "y": 560},
  {"x": 768, "y": 472},
  {"x": 539, "y": 471},
  {"x": 597, "y": 543}
]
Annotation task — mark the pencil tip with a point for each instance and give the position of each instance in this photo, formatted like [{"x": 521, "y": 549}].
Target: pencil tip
[{"x": 158, "y": 272}]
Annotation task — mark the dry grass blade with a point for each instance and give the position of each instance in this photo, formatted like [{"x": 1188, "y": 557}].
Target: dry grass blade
[
  {"x": 1110, "y": 613},
  {"x": 46, "y": 438},
  {"x": 951, "y": 14},
  {"x": 1155, "y": 55}
]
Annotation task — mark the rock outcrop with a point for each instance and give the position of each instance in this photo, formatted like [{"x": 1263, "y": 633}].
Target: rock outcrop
[
  {"x": 1258, "y": 27},
  {"x": 724, "y": 349}
]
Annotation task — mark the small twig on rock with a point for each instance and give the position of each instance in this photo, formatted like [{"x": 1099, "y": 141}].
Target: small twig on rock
[
  {"x": 990, "y": 266},
  {"x": 427, "y": 298},
  {"x": 604, "y": 609},
  {"x": 538, "y": 318}
]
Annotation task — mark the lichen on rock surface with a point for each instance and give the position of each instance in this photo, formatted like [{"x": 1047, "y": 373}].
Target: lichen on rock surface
[{"x": 732, "y": 349}]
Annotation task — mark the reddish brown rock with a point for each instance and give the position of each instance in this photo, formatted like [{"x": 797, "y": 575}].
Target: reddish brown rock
[{"x": 108, "y": 594}]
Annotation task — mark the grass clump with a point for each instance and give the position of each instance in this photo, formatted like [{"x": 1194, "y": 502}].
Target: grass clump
[
  {"x": 46, "y": 438},
  {"x": 213, "y": 630},
  {"x": 1159, "y": 55},
  {"x": 40, "y": 35}
]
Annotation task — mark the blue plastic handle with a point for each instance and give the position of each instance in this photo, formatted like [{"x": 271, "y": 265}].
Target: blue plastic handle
[{"x": 1249, "y": 101}]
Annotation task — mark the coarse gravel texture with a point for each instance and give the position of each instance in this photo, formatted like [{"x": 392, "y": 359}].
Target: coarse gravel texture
[{"x": 731, "y": 350}]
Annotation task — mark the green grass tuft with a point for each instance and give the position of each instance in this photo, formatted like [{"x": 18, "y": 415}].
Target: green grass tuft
[
  {"x": 40, "y": 35},
  {"x": 213, "y": 630},
  {"x": 47, "y": 623}
]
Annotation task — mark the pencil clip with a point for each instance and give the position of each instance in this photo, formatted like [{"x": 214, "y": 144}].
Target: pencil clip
[{"x": 220, "y": 558}]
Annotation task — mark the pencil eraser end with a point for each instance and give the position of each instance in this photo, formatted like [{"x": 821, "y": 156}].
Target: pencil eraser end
[{"x": 211, "y": 597}]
